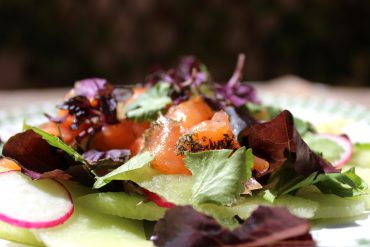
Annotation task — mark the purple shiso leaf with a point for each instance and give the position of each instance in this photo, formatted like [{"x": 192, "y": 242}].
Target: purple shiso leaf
[
  {"x": 79, "y": 107},
  {"x": 187, "y": 74},
  {"x": 267, "y": 226},
  {"x": 90, "y": 88},
  {"x": 102, "y": 112},
  {"x": 111, "y": 158},
  {"x": 108, "y": 106},
  {"x": 278, "y": 140},
  {"x": 235, "y": 92},
  {"x": 38, "y": 159}
]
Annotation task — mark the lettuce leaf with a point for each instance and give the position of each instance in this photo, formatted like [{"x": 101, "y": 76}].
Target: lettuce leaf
[
  {"x": 218, "y": 175},
  {"x": 345, "y": 184},
  {"x": 56, "y": 142},
  {"x": 278, "y": 141},
  {"x": 183, "y": 226},
  {"x": 136, "y": 169},
  {"x": 147, "y": 106},
  {"x": 41, "y": 155}
]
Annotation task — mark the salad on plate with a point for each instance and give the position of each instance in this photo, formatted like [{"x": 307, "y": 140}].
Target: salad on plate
[{"x": 179, "y": 160}]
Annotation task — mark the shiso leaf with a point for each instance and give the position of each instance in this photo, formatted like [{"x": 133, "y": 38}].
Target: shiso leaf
[
  {"x": 136, "y": 169},
  {"x": 218, "y": 174},
  {"x": 107, "y": 159},
  {"x": 265, "y": 227},
  {"x": 148, "y": 105}
]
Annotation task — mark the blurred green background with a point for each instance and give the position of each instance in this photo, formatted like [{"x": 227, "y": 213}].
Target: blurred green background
[{"x": 54, "y": 43}]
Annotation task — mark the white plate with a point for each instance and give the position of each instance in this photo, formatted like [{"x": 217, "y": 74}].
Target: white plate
[{"x": 352, "y": 120}]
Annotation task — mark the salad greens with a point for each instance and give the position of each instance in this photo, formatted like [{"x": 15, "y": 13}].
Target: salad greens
[
  {"x": 56, "y": 142},
  {"x": 345, "y": 184},
  {"x": 218, "y": 175},
  {"x": 148, "y": 105},
  {"x": 205, "y": 179},
  {"x": 265, "y": 226},
  {"x": 135, "y": 169}
]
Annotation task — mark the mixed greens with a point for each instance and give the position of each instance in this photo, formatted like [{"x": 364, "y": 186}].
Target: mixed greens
[{"x": 204, "y": 159}]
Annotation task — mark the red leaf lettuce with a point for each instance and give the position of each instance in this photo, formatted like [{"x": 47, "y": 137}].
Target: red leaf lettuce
[{"x": 267, "y": 226}]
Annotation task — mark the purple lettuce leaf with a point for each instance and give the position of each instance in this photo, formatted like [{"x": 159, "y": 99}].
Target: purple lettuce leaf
[
  {"x": 277, "y": 141},
  {"x": 38, "y": 159},
  {"x": 267, "y": 226}
]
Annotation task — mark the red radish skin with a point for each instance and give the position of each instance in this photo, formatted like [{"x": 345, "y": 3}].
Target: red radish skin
[
  {"x": 39, "y": 224},
  {"x": 158, "y": 200}
]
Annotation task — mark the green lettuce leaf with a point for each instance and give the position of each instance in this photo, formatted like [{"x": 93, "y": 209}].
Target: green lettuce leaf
[
  {"x": 56, "y": 142},
  {"x": 136, "y": 169},
  {"x": 148, "y": 105},
  {"x": 345, "y": 184},
  {"x": 218, "y": 175},
  {"x": 303, "y": 127}
]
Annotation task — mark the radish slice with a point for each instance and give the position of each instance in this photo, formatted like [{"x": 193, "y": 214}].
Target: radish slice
[
  {"x": 343, "y": 142},
  {"x": 33, "y": 204},
  {"x": 158, "y": 200}
]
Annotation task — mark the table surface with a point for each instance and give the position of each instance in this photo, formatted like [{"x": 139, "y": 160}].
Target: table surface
[{"x": 288, "y": 85}]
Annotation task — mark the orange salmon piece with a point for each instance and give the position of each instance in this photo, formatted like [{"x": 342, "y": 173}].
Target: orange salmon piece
[
  {"x": 160, "y": 141},
  {"x": 119, "y": 136},
  {"x": 137, "y": 146},
  {"x": 67, "y": 134},
  {"x": 190, "y": 112},
  {"x": 209, "y": 135}
]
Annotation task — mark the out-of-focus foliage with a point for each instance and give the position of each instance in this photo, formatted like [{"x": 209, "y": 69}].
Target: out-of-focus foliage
[{"x": 53, "y": 43}]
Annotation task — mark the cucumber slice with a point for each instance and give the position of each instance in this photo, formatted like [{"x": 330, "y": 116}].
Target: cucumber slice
[
  {"x": 90, "y": 228},
  {"x": 298, "y": 206},
  {"x": 122, "y": 204},
  {"x": 17, "y": 234},
  {"x": 173, "y": 188},
  {"x": 332, "y": 206},
  {"x": 76, "y": 190},
  {"x": 364, "y": 173}
]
